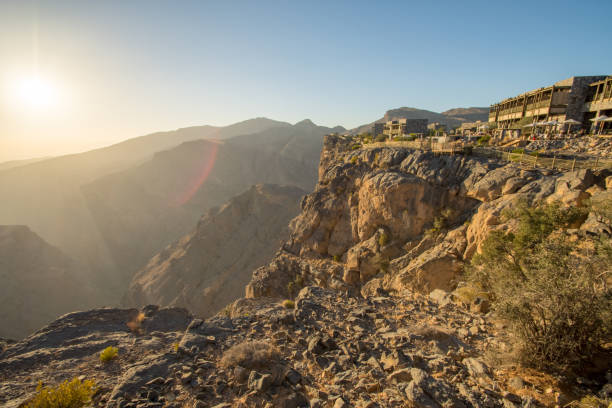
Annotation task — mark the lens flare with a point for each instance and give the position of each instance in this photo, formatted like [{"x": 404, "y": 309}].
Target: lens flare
[{"x": 201, "y": 175}]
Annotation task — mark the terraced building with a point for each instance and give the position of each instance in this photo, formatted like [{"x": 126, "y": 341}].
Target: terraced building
[{"x": 580, "y": 98}]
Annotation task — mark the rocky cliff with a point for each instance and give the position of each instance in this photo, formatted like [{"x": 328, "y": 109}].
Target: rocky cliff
[
  {"x": 207, "y": 269},
  {"x": 352, "y": 311},
  {"x": 390, "y": 218}
]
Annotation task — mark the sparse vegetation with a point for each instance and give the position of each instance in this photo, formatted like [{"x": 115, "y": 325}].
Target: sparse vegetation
[
  {"x": 69, "y": 394},
  {"x": 250, "y": 354},
  {"x": 109, "y": 354},
  {"x": 336, "y": 258},
  {"x": 356, "y": 146},
  {"x": 175, "y": 346},
  {"x": 289, "y": 304},
  {"x": 483, "y": 140},
  {"x": 591, "y": 401},
  {"x": 440, "y": 223},
  {"x": 353, "y": 159},
  {"x": 550, "y": 287},
  {"x": 383, "y": 239},
  {"x": 381, "y": 138},
  {"x": 381, "y": 262},
  {"x": 295, "y": 285},
  {"x": 135, "y": 324}
]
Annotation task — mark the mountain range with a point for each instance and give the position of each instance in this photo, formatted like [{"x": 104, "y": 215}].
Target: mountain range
[
  {"x": 112, "y": 211},
  {"x": 451, "y": 118}
]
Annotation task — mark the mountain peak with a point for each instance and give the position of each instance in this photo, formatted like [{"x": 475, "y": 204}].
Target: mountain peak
[{"x": 306, "y": 122}]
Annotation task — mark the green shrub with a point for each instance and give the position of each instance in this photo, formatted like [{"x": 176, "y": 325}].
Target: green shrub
[
  {"x": 336, "y": 258},
  {"x": 108, "y": 354},
  {"x": 551, "y": 289},
  {"x": 440, "y": 223},
  {"x": 353, "y": 159},
  {"x": 383, "y": 239},
  {"x": 289, "y": 304},
  {"x": 382, "y": 263},
  {"x": 381, "y": 138},
  {"x": 483, "y": 140},
  {"x": 519, "y": 151},
  {"x": 355, "y": 146},
  {"x": 296, "y": 285},
  {"x": 69, "y": 394}
]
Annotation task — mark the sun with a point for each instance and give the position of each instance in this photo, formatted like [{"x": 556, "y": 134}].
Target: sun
[{"x": 35, "y": 93}]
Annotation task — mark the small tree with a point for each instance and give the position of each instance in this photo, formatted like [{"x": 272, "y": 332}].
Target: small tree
[{"x": 551, "y": 288}]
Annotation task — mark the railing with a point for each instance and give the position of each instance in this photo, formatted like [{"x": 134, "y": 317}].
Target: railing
[
  {"x": 522, "y": 158},
  {"x": 553, "y": 163}
]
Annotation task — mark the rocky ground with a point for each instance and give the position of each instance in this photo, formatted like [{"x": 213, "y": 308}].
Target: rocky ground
[
  {"x": 587, "y": 145},
  {"x": 331, "y": 350},
  {"x": 354, "y": 310}
]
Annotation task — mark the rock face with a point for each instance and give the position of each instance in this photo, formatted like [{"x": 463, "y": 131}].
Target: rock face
[
  {"x": 393, "y": 218},
  {"x": 337, "y": 317},
  {"x": 209, "y": 268},
  {"x": 36, "y": 278}
]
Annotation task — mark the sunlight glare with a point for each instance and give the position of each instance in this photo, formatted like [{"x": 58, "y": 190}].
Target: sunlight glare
[{"x": 35, "y": 93}]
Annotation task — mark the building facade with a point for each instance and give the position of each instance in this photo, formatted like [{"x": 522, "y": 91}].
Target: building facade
[
  {"x": 377, "y": 129},
  {"x": 599, "y": 99},
  {"x": 404, "y": 127},
  {"x": 564, "y": 100}
]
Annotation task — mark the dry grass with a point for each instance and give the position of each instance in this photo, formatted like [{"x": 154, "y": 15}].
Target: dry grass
[
  {"x": 135, "y": 324},
  {"x": 467, "y": 294},
  {"x": 108, "y": 354},
  {"x": 251, "y": 354},
  {"x": 73, "y": 394}
]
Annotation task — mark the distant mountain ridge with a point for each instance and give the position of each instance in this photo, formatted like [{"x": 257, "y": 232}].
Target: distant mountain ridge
[
  {"x": 208, "y": 268},
  {"x": 451, "y": 118},
  {"x": 39, "y": 283},
  {"x": 141, "y": 210}
]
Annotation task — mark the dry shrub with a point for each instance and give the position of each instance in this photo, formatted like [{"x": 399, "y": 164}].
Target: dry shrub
[
  {"x": 251, "y": 354},
  {"x": 109, "y": 354},
  {"x": 591, "y": 401},
  {"x": 550, "y": 288},
  {"x": 135, "y": 324},
  {"x": 73, "y": 394}
]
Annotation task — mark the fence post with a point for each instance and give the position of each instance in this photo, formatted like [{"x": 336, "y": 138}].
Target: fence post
[
  {"x": 574, "y": 164},
  {"x": 596, "y": 163},
  {"x": 535, "y": 161},
  {"x": 553, "y": 162}
]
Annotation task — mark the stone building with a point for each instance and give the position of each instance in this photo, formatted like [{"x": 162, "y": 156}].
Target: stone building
[
  {"x": 404, "y": 127},
  {"x": 377, "y": 129},
  {"x": 599, "y": 102},
  {"x": 561, "y": 101},
  {"x": 437, "y": 126}
]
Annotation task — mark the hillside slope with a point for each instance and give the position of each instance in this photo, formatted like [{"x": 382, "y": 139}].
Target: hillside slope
[
  {"x": 141, "y": 210},
  {"x": 39, "y": 283},
  {"x": 48, "y": 195},
  {"x": 209, "y": 268}
]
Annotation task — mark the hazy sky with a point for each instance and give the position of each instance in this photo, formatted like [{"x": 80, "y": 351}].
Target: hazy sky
[{"x": 110, "y": 70}]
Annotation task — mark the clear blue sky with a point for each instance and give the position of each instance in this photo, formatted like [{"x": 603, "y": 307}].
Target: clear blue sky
[{"x": 125, "y": 68}]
